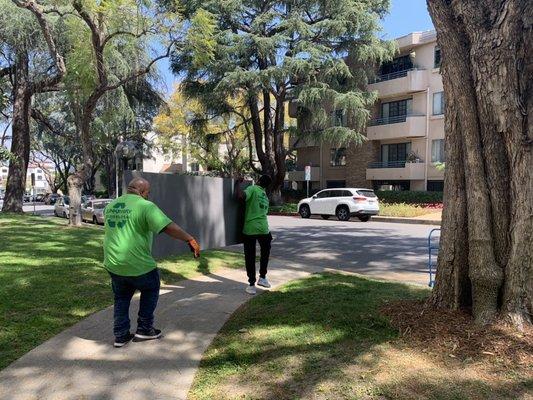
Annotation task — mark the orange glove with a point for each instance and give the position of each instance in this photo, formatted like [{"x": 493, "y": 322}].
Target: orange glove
[{"x": 195, "y": 247}]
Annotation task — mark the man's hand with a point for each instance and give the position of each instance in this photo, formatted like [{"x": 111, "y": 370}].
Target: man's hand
[{"x": 195, "y": 247}]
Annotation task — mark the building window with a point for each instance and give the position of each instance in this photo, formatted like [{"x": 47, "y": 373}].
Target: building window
[
  {"x": 437, "y": 150},
  {"x": 39, "y": 171},
  {"x": 4, "y": 170},
  {"x": 402, "y": 63},
  {"x": 437, "y": 57},
  {"x": 39, "y": 177},
  {"x": 338, "y": 157},
  {"x": 435, "y": 186},
  {"x": 438, "y": 103},
  {"x": 195, "y": 167},
  {"x": 336, "y": 184},
  {"x": 396, "y": 108},
  {"x": 397, "y": 152}
]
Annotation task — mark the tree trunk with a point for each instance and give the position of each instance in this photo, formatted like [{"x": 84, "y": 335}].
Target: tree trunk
[
  {"x": 20, "y": 142},
  {"x": 78, "y": 179},
  {"x": 486, "y": 244}
]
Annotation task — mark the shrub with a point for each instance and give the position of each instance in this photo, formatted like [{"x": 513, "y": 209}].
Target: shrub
[{"x": 409, "y": 197}]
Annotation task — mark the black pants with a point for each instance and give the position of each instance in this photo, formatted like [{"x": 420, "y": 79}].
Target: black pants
[{"x": 249, "y": 255}]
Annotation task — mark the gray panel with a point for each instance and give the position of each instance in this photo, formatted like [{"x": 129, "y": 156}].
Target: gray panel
[{"x": 203, "y": 206}]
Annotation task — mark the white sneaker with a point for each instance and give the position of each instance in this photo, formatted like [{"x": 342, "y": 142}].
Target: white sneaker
[
  {"x": 264, "y": 282},
  {"x": 250, "y": 289}
]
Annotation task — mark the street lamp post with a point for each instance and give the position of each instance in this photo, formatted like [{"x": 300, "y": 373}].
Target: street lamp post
[{"x": 125, "y": 150}]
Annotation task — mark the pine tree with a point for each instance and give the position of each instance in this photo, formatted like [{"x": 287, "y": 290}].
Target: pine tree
[{"x": 316, "y": 54}]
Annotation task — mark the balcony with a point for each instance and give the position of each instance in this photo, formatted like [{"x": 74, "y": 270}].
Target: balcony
[
  {"x": 402, "y": 126},
  {"x": 400, "y": 82},
  {"x": 395, "y": 170},
  {"x": 299, "y": 175}
]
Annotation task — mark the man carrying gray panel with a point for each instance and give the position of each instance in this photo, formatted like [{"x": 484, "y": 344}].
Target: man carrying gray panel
[
  {"x": 130, "y": 223},
  {"x": 255, "y": 229}
]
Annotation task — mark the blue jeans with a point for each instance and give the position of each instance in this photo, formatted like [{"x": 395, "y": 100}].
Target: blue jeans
[{"x": 123, "y": 288}]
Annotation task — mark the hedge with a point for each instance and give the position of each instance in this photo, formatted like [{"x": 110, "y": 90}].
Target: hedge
[{"x": 409, "y": 197}]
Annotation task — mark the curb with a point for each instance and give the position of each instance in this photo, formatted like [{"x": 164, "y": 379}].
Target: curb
[
  {"x": 401, "y": 220},
  {"x": 377, "y": 218}
]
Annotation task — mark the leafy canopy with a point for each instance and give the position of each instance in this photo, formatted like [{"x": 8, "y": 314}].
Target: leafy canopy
[{"x": 316, "y": 53}]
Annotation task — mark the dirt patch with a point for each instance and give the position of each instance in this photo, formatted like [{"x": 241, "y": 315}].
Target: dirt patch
[{"x": 449, "y": 334}]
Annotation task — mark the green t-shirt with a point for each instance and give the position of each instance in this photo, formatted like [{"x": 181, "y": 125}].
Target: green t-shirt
[
  {"x": 130, "y": 222},
  {"x": 255, "y": 217}
]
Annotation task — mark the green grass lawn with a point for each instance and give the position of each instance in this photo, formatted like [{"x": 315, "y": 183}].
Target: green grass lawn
[
  {"x": 402, "y": 210},
  {"x": 324, "y": 338},
  {"x": 51, "y": 276}
]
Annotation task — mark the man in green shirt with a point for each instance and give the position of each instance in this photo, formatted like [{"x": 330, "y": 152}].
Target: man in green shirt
[
  {"x": 256, "y": 229},
  {"x": 130, "y": 223}
]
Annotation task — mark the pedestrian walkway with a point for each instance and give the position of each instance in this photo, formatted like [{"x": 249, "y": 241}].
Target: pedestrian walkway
[{"x": 81, "y": 363}]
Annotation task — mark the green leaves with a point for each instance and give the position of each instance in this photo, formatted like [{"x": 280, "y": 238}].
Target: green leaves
[{"x": 200, "y": 40}]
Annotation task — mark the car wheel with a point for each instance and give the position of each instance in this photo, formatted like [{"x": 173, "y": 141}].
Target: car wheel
[
  {"x": 95, "y": 221},
  {"x": 324, "y": 216},
  {"x": 65, "y": 214},
  {"x": 305, "y": 211},
  {"x": 364, "y": 218},
  {"x": 342, "y": 213}
]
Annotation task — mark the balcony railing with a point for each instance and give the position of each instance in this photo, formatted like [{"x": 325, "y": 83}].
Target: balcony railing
[
  {"x": 392, "y": 75},
  {"x": 392, "y": 120},
  {"x": 387, "y": 164},
  {"x": 391, "y": 164}
]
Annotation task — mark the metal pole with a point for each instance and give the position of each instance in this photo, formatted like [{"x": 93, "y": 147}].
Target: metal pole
[
  {"x": 116, "y": 176},
  {"x": 33, "y": 198},
  {"x": 307, "y": 188}
]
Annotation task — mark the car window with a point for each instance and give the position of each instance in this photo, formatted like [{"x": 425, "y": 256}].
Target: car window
[
  {"x": 347, "y": 193},
  {"x": 366, "y": 193},
  {"x": 323, "y": 194},
  {"x": 66, "y": 200},
  {"x": 100, "y": 205},
  {"x": 335, "y": 193}
]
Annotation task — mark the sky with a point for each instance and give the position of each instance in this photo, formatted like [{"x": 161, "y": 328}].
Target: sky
[{"x": 405, "y": 16}]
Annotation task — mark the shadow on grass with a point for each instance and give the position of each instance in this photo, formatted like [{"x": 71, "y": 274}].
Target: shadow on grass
[{"x": 320, "y": 338}]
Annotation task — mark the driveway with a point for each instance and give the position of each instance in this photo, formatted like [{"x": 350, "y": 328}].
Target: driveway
[{"x": 379, "y": 249}]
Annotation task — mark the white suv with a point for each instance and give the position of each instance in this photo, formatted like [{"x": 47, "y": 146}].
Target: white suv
[{"x": 343, "y": 203}]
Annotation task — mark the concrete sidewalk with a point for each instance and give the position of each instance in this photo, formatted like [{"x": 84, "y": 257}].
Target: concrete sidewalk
[{"x": 81, "y": 363}]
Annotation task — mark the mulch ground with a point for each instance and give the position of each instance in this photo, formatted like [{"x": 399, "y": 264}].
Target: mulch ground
[{"x": 453, "y": 334}]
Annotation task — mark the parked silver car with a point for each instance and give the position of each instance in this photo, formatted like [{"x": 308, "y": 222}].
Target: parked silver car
[
  {"x": 93, "y": 210},
  {"x": 61, "y": 207}
]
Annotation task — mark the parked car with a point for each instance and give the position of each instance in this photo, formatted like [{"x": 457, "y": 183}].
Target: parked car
[
  {"x": 61, "y": 208},
  {"x": 51, "y": 198},
  {"x": 343, "y": 203},
  {"x": 93, "y": 210},
  {"x": 40, "y": 197}
]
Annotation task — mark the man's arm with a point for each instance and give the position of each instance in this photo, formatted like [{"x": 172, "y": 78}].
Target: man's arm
[{"x": 174, "y": 231}]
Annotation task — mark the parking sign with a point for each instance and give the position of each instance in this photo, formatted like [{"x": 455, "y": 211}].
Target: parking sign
[{"x": 308, "y": 173}]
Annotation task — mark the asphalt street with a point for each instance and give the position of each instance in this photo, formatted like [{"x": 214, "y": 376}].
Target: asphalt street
[
  {"x": 379, "y": 249},
  {"x": 388, "y": 250}
]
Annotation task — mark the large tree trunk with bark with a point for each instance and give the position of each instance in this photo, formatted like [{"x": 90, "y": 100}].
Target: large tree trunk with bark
[
  {"x": 486, "y": 256},
  {"x": 20, "y": 144}
]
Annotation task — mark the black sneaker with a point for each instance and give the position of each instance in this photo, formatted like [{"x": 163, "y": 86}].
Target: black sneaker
[
  {"x": 148, "y": 335},
  {"x": 124, "y": 340}
]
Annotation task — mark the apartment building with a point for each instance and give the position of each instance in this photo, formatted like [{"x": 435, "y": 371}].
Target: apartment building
[
  {"x": 405, "y": 134},
  {"x": 40, "y": 171}
]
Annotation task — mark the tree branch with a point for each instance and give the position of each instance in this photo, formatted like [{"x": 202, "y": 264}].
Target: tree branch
[{"x": 37, "y": 10}]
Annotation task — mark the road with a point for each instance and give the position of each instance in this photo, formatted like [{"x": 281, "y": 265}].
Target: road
[
  {"x": 387, "y": 250},
  {"x": 40, "y": 208}
]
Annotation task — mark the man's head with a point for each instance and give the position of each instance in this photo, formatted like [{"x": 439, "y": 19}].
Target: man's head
[
  {"x": 264, "y": 181},
  {"x": 139, "y": 186}
]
